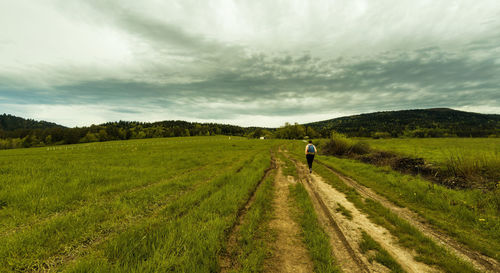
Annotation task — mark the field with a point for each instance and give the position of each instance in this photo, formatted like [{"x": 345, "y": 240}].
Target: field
[
  {"x": 439, "y": 150},
  {"x": 111, "y": 205},
  {"x": 465, "y": 162},
  {"x": 220, "y": 204}
]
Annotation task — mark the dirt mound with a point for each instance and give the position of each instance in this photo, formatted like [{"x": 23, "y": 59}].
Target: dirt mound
[{"x": 378, "y": 158}]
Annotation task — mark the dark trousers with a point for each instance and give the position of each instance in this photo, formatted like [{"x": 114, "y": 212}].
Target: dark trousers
[{"x": 310, "y": 159}]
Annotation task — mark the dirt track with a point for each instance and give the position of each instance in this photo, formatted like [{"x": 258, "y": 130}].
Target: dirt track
[
  {"x": 290, "y": 253},
  {"x": 345, "y": 234},
  {"x": 481, "y": 262}
]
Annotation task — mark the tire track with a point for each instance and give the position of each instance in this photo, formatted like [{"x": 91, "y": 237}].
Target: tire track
[
  {"x": 289, "y": 251},
  {"x": 349, "y": 231},
  {"x": 347, "y": 247},
  {"x": 105, "y": 199},
  {"x": 72, "y": 253},
  {"x": 227, "y": 258},
  {"x": 481, "y": 262},
  {"x": 344, "y": 253}
]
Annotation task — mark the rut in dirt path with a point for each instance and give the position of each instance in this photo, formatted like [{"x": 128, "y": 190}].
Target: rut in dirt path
[
  {"x": 351, "y": 229},
  {"x": 227, "y": 259},
  {"x": 289, "y": 252},
  {"x": 344, "y": 253},
  {"x": 481, "y": 262}
]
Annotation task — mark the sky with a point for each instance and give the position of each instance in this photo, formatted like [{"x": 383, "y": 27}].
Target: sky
[{"x": 248, "y": 63}]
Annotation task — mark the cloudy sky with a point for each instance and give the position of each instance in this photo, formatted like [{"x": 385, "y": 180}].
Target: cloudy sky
[{"x": 243, "y": 62}]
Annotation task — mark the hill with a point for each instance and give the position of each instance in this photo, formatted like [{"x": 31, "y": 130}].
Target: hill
[
  {"x": 435, "y": 122},
  {"x": 18, "y": 132},
  {"x": 11, "y": 123}
]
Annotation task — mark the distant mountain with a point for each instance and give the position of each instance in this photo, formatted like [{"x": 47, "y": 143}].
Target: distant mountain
[
  {"x": 11, "y": 123},
  {"x": 435, "y": 122}
]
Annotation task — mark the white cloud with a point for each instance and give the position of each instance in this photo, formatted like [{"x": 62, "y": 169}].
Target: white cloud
[{"x": 41, "y": 44}]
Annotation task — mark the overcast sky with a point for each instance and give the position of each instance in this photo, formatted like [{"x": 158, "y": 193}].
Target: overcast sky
[{"x": 247, "y": 63}]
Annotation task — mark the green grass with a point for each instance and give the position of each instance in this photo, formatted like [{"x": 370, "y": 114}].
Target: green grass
[
  {"x": 438, "y": 150},
  {"x": 381, "y": 255},
  {"x": 315, "y": 238},
  {"x": 255, "y": 234},
  {"x": 112, "y": 206},
  {"x": 471, "y": 216},
  {"x": 288, "y": 168},
  {"x": 427, "y": 250},
  {"x": 187, "y": 242},
  {"x": 347, "y": 213},
  {"x": 477, "y": 160}
]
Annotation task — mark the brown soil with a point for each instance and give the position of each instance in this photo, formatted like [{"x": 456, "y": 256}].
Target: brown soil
[
  {"x": 289, "y": 252},
  {"x": 348, "y": 232},
  {"x": 481, "y": 262}
]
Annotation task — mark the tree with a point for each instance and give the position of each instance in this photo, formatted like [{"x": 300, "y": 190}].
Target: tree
[{"x": 311, "y": 133}]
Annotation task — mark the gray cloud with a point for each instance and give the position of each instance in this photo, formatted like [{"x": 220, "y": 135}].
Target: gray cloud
[
  {"x": 177, "y": 70},
  {"x": 283, "y": 85}
]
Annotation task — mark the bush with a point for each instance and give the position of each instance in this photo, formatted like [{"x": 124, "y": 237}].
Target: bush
[
  {"x": 378, "y": 135},
  {"x": 473, "y": 170},
  {"x": 339, "y": 144},
  {"x": 360, "y": 148}
]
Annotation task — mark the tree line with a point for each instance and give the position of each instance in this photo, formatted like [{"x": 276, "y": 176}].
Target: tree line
[
  {"x": 122, "y": 130},
  {"x": 17, "y": 132}
]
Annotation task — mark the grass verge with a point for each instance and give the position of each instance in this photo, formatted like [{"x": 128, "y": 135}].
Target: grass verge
[
  {"x": 470, "y": 216},
  {"x": 380, "y": 254},
  {"x": 288, "y": 168},
  {"x": 427, "y": 250},
  {"x": 347, "y": 213},
  {"x": 255, "y": 234},
  {"x": 315, "y": 238}
]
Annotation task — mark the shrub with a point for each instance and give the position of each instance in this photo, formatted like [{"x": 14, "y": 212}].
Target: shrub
[
  {"x": 378, "y": 135},
  {"x": 360, "y": 148},
  {"x": 478, "y": 171},
  {"x": 339, "y": 144}
]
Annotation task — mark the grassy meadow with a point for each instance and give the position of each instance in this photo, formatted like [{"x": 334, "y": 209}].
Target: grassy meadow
[
  {"x": 122, "y": 206},
  {"x": 439, "y": 150},
  {"x": 168, "y": 204},
  {"x": 475, "y": 160}
]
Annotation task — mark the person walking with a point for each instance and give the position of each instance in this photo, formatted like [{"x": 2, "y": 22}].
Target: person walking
[{"x": 310, "y": 152}]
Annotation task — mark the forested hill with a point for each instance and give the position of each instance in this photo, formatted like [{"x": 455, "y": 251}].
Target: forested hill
[
  {"x": 11, "y": 123},
  {"x": 436, "y": 122},
  {"x": 18, "y": 132}
]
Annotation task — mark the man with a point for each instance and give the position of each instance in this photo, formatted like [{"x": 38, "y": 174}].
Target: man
[{"x": 310, "y": 152}]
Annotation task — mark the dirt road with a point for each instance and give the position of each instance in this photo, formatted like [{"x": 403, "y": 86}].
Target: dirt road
[
  {"x": 290, "y": 253},
  {"x": 346, "y": 233},
  {"x": 481, "y": 262}
]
